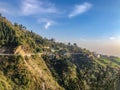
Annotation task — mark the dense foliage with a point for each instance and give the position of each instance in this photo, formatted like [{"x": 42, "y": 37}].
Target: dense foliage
[{"x": 42, "y": 64}]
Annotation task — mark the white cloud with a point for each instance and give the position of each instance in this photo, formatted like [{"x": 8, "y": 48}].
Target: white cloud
[
  {"x": 115, "y": 38},
  {"x": 42, "y": 9},
  {"x": 47, "y": 22},
  {"x": 112, "y": 38},
  {"x": 32, "y": 7},
  {"x": 79, "y": 9}
]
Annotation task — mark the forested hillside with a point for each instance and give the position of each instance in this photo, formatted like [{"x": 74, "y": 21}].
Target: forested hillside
[{"x": 31, "y": 62}]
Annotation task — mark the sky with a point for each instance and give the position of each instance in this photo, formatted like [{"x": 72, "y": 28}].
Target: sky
[{"x": 92, "y": 24}]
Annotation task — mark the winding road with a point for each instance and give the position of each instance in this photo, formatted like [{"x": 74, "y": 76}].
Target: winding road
[{"x": 27, "y": 54}]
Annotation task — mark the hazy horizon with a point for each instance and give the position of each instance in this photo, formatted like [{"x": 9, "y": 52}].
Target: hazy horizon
[{"x": 110, "y": 48}]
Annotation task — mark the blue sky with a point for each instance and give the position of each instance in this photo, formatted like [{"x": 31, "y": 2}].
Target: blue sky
[{"x": 90, "y": 23}]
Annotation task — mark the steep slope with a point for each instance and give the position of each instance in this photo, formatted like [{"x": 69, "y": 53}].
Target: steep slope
[
  {"x": 80, "y": 72},
  {"x": 20, "y": 68},
  {"x": 29, "y": 73},
  {"x": 35, "y": 63}
]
